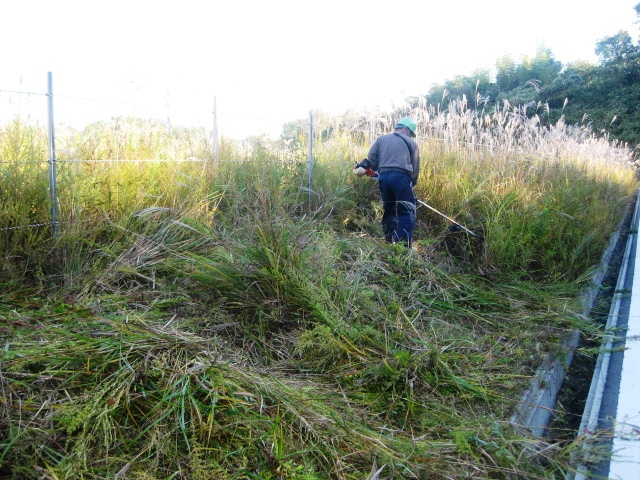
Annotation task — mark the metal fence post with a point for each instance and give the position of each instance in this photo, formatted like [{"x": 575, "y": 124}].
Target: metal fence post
[
  {"x": 53, "y": 181},
  {"x": 310, "y": 156}
]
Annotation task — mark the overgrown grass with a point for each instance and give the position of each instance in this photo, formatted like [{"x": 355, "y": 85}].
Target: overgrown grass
[{"x": 200, "y": 319}]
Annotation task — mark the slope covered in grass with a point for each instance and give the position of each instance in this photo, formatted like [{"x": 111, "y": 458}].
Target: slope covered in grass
[{"x": 220, "y": 320}]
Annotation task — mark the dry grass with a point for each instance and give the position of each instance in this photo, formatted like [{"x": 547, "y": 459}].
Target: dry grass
[{"x": 198, "y": 322}]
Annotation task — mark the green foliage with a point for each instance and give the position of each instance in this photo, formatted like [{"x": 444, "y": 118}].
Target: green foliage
[
  {"x": 204, "y": 317},
  {"x": 604, "y": 97},
  {"x": 615, "y": 48},
  {"x": 475, "y": 88},
  {"x": 224, "y": 320},
  {"x": 24, "y": 198},
  {"x": 269, "y": 274}
]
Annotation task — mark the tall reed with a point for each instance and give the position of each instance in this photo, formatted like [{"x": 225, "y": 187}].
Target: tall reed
[{"x": 222, "y": 318}]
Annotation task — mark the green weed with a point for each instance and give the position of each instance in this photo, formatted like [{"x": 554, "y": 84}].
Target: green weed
[{"x": 222, "y": 318}]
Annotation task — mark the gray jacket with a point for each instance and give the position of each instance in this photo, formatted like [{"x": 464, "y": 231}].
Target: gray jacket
[{"x": 390, "y": 152}]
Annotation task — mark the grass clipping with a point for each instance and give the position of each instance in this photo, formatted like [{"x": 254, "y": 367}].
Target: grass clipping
[
  {"x": 233, "y": 324},
  {"x": 262, "y": 372}
]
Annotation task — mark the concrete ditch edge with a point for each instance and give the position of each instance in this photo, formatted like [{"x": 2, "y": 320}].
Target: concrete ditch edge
[{"x": 537, "y": 405}]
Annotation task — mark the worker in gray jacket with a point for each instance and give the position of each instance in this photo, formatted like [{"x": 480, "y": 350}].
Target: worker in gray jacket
[{"x": 396, "y": 159}]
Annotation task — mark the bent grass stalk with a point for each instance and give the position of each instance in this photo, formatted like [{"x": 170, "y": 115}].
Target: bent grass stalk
[{"x": 206, "y": 320}]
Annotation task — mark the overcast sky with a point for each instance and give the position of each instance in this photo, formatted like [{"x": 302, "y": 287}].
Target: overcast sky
[{"x": 269, "y": 62}]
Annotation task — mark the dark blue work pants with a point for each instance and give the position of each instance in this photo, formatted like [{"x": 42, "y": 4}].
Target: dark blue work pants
[{"x": 399, "y": 202}]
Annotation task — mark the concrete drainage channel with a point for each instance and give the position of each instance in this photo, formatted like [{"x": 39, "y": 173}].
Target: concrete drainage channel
[{"x": 537, "y": 407}]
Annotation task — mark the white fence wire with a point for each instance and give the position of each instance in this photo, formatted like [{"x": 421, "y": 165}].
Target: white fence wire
[
  {"x": 462, "y": 131},
  {"x": 73, "y": 112}
]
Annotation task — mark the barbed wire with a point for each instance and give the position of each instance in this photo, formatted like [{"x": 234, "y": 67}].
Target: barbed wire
[
  {"x": 72, "y": 97},
  {"x": 105, "y": 100},
  {"x": 23, "y": 93},
  {"x": 99, "y": 160},
  {"x": 303, "y": 121},
  {"x": 33, "y": 225},
  {"x": 221, "y": 113},
  {"x": 59, "y": 223},
  {"x": 146, "y": 160}
]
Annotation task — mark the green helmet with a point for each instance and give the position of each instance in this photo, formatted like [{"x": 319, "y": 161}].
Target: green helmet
[{"x": 409, "y": 123}]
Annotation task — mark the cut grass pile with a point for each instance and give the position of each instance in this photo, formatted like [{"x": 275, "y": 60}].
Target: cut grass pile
[{"x": 208, "y": 321}]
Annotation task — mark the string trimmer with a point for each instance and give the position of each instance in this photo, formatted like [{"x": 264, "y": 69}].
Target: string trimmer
[
  {"x": 448, "y": 218},
  {"x": 364, "y": 168}
]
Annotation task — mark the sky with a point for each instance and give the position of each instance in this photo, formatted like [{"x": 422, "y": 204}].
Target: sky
[{"x": 270, "y": 62}]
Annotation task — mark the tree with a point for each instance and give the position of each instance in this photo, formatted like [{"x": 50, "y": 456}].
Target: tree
[
  {"x": 293, "y": 134},
  {"x": 544, "y": 67},
  {"x": 615, "y": 48},
  {"x": 604, "y": 95},
  {"x": 506, "y": 76},
  {"x": 475, "y": 88}
]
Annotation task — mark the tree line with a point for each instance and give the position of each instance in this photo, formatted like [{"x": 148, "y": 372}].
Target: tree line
[{"x": 606, "y": 96}]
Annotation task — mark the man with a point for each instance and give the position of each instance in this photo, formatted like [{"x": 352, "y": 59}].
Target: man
[{"x": 396, "y": 158}]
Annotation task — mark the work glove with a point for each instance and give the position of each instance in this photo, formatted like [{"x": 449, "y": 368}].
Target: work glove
[{"x": 364, "y": 168}]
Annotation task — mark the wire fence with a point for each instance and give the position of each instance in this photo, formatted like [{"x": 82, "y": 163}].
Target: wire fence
[
  {"x": 33, "y": 225},
  {"x": 30, "y": 106},
  {"x": 502, "y": 134}
]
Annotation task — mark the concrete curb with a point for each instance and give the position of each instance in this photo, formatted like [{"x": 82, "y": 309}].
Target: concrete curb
[{"x": 538, "y": 402}]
